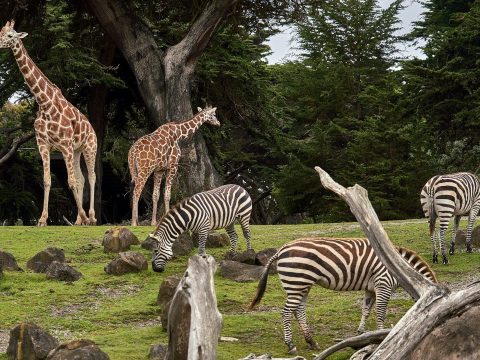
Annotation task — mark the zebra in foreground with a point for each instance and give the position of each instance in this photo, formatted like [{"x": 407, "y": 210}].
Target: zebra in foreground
[
  {"x": 336, "y": 264},
  {"x": 444, "y": 196},
  {"x": 209, "y": 210}
]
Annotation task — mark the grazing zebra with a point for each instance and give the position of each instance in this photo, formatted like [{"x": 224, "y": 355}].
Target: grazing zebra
[
  {"x": 444, "y": 196},
  {"x": 337, "y": 264},
  {"x": 202, "y": 212}
]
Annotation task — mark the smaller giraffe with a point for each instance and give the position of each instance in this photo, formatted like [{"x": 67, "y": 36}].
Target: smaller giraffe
[
  {"x": 159, "y": 152},
  {"x": 59, "y": 125}
]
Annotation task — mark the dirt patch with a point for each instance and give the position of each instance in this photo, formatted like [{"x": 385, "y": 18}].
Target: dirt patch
[
  {"x": 4, "y": 338},
  {"x": 116, "y": 291},
  {"x": 71, "y": 309}
]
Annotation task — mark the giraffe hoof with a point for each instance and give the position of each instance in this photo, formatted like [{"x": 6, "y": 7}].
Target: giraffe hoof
[
  {"x": 42, "y": 223},
  {"x": 92, "y": 222}
]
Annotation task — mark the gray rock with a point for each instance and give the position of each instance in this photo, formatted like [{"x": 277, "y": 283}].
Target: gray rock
[
  {"x": 8, "y": 262},
  {"x": 246, "y": 257},
  {"x": 78, "y": 350},
  {"x": 240, "y": 272},
  {"x": 126, "y": 262},
  {"x": 118, "y": 239},
  {"x": 158, "y": 352},
  {"x": 165, "y": 295},
  {"x": 183, "y": 245},
  {"x": 28, "y": 341},
  {"x": 62, "y": 272},
  {"x": 149, "y": 243},
  {"x": 214, "y": 240},
  {"x": 40, "y": 262},
  {"x": 263, "y": 256}
]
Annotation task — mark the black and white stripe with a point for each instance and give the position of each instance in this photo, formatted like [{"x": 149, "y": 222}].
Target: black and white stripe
[
  {"x": 447, "y": 196},
  {"x": 200, "y": 213},
  {"x": 337, "y": 264}
]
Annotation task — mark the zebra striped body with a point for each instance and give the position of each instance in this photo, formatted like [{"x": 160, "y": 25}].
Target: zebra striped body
[
  {"x": 200, "y": 213},
  {"x": 337, "y": 264},
  {"x": 447, "y": 196}
]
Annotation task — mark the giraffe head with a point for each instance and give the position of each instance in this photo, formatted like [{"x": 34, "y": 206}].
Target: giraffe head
[
  {"x": 209, "y": 115},
  {"x": 8, "y": 36}
]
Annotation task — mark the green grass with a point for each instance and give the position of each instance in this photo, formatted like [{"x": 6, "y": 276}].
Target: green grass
[{"x": 120, "y": 313}]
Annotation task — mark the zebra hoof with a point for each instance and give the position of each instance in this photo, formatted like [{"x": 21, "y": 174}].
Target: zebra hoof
[
  {"x": 452, "y": 250},
  {"x": 293, "y": 351},
  {"x": 435, "y": 259},
  {"x": 445, "y": 261},
  {"x": 469, "y": 248}
]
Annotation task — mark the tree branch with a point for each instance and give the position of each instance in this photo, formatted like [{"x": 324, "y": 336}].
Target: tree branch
[
  {"x": 371, "y": 337},
  {"x": 14, "y": 146},
  {"x": 357, "y": 198}
]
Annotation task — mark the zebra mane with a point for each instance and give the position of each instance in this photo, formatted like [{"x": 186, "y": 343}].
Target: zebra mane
[{"x": 417, "y": 262}]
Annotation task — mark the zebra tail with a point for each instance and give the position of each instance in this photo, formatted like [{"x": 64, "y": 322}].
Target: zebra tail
[
  {"x": 262, "y": 284},
  {"x": 432, "y": 216}
]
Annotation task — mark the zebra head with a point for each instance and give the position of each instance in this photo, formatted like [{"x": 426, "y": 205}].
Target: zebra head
[{"x": 162, "y": 252}]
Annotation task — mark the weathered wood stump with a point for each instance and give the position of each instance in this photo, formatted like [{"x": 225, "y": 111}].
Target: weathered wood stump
[{"x": 194, "y": 322}]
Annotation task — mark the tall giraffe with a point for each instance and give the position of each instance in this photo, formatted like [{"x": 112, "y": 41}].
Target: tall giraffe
[
  {"x": 159, "y": 152},
  {"x": 59, "y": 125}
]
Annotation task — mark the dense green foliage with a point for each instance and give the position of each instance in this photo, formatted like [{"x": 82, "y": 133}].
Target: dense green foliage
[
  {"x": 120, "y": 313},
  {"x": 347, "y": 102}
]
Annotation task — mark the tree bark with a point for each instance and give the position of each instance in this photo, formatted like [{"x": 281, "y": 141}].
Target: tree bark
[
  {"x": 194, "y": 322},
  {"x": 96, "y": 101},
  {"x": 435, "y": 305}
]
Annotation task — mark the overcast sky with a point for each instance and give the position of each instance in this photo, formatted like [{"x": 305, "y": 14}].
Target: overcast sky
[{"x": 283, "y": 45}]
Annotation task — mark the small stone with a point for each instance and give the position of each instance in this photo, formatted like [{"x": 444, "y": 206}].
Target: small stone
[
  {"x": 78, "y": 350},
  {"x": 8, "y": 262},
  {"x": 40, "y": 262},
  {"x": 126, "y": 262},
  {"x": 29, "y": 341},
  {"x": 62, "y": 272},
  {"x": 158, "y": 352}
]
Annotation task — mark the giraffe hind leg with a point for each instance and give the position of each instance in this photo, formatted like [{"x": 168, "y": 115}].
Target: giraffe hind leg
[
  {"x": 80, "y": 181},
  {"x": 90, "y": 157}
]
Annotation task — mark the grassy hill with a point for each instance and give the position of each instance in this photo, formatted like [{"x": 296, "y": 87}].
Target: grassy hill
[{"x": 120, "y": 314}]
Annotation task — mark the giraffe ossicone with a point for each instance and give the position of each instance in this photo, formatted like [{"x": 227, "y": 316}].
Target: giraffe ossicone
[
  {"x": 159, "y": 153},
  {"x": 59, "y": 125}
]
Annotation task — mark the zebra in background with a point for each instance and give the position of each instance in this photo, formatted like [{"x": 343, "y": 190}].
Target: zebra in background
[
  {"x": 200, "y": 213},
  {"x": 444, "y": 196},
  {"x": 336, "y": 264}
]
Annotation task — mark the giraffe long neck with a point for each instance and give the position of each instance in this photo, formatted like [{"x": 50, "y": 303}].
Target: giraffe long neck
[
  {"x": 187, "y": 128},
  {"x": 40, "y": 86}
]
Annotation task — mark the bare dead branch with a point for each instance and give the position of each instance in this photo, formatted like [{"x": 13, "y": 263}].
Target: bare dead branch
[
  {"x": 371, "y": 337},
  {"x": 14, "y": 145}
]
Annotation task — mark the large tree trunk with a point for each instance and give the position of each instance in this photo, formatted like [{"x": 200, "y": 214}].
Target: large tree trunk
[
  {"x": 164, "y": 78},
  {"x": 436, "y": 304}
]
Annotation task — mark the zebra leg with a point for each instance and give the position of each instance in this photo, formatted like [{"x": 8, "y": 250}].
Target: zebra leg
[
  {"x": 471, "y": 221},
  {"x": 456, "y": 222},
  {"x": 368, "y": 301},
  {"x": 202, "y": 240},
  {"x": 233, "y": 237},
  {"x": 301, "y": 316},
  {"x": 290, "y": 307},
  {"x": 382, "y": 294},
  {"x": 442, "y": 232},
  {"x": 245, "y": 224},
  {"x": 431, "y": 222}
]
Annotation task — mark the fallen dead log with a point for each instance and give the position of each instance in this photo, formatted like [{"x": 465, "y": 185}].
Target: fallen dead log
[
  {"x": 356, "y": 342},
  {"x": 436, "y": 303},
  {"x": 194, "y": 322}
]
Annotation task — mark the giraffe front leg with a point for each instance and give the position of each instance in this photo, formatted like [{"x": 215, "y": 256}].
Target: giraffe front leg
[
  {"x": 80, "y": 182},
  {"x": 90, "y": 156},
  {"x": 72, "y": 183},
  {"x": 139, "y": 183},
  {"x": 47, "y": 181}
]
